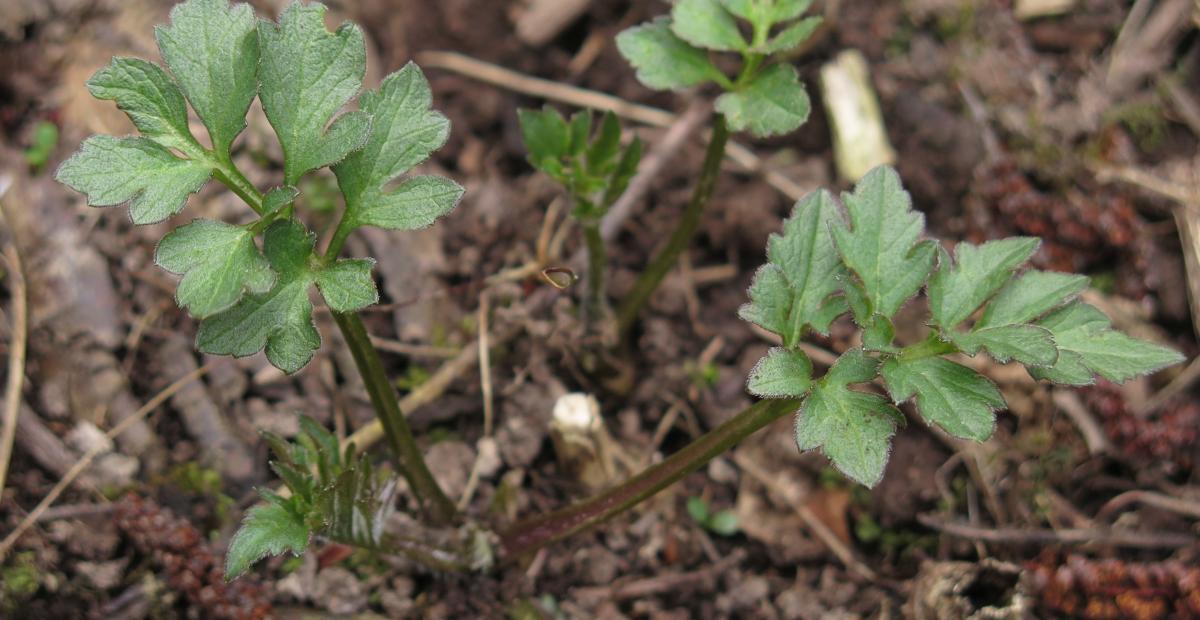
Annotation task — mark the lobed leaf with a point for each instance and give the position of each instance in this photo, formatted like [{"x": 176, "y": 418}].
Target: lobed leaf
[
  {"x": 854, "y": 429},
  {"x": 705, "y": 23},
  {"x": 793, "y": 35},
  {"x": 212, "y": 49},
  {"x": 954, "y": 397},
  {"x": 269, "y": 529},
  {"x": 347, "y": 285},
  {"x": 793, "y": 292},
  {"x": 782, "y": 373},
  {"x": 545, "y": 135},
  {"x": 960, "y": 287},
  {"x": 150, "y": 98},
  {"x": 1029, "y": 344},
  {"x": 218, "y": 261},
  {"x": 881, "y": 244},
  {"x": 307, "y": 75},
  {"x": 112, "y": 171},
  {"x": 1031, "y": 295},
  {"x": 1089, "y": 346},
  {"x": 663, "y": 60},
  {"x": 773, "y": 102},
  {"x": 405, "y": 132}
]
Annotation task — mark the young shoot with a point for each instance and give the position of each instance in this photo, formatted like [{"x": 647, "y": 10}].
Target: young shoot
[{"x": 594, "y": 170}]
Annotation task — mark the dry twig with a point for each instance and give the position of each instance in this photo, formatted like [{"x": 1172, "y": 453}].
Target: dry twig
[
  {"x": 1033, "y": 536},
  {"x": 16, "y": 346}
]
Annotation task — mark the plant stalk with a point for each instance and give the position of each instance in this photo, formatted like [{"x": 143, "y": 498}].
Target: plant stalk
[
  {"x": 535, "y": 533},
  {"x": 407, "y": 456},
  {"x": 658, "y": 268},
  {"x": 597, "y": 262}
]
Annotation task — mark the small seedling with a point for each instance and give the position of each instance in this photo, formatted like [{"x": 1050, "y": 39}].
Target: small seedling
[
  {"x": 593, "y": 169},
  {"x": 41, "y": 145},
  {"x": 824, "y": 265},
  {"x": 721, "y": 523}
]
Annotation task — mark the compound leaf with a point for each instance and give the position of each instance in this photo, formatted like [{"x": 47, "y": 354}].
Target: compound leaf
[
  {"x": 954, "y": 397},
  {"x": 663, "y": 60},
  {"x": 405, "y": 132},
  {"x": 1029, "y": 344},
  {"x": 782, "y": 373},
  {"x": 347, "y": 285},
  {"x": 958, "y": 288},
  {"x": 1089, "y": 346},
  {"x": 1031, "y": 295},
  {"x": 705, "y": 23},
  {"x": 269, "y": 529},
  {"x": 149, "y": 97},
  {"x": 112, "y": 171},
  {"x": 212, "y": 49},
  {"x": 773, "y": 102},
  {"x": 280, "y": 319},
  {"x": 307, "y": 75},
  {"x": 787, "y": 10},
  {"x": 881, "y": 244},
  {"x": 796, "y": 293},
  {"x": 854, "y": 429},
  {"x": 218, "y": 261}
]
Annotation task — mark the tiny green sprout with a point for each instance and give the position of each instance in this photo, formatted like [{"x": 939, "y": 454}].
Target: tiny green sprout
[
  {"x": 721, "y": 523},
  {"x": 41, "y": 145},
  {"x": 872, "y": 260},
  {"x": 766, "y": 97}
]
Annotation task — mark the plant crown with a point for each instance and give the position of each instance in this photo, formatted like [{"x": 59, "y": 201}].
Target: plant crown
[
  {"x": 220, "y": 57},
  {"x": 825, "y": 264},
  {"x": 766, "y": 97}
]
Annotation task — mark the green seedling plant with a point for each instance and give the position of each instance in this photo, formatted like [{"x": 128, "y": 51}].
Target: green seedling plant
[
  {"x": 248, "y": 283},
  {"x": 721, "y": 522},
  {"x": 765, "y": 97},
  {"x": 249, "y": 298},
  {"x": 593, "y": 169}
]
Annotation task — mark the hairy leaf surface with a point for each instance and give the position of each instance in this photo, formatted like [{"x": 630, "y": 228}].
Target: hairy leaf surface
[
  {"x": 854, "y": 429},
  {"x": 1031, "y": 295},
  {"x": 151, "y": 99},
  {"x": 212, "y": 50},
  {"x": 218, "y": 261},
  {"x": 307, "y": 75},
  {"x": 663, "y": 60},
  {"x": 960, "y": 287},
  {"x": 881, "y": 244},
  {"x": 1089, "y": 346},
  {"x": 405, "y": 132},
  {"x": 1029, "y": 344},
  {"x": 705, "y": 23},
  {"x": 793, "y": 292},
  {"x": 954, "y": 397},
  {"x": 268, "y": 529},
  {"x": 773, "y": 103},
  {"x": 113, "y": 171},
  {"x": 782, "y": 373}
]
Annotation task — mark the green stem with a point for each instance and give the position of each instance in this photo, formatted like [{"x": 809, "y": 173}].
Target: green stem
[
  {"x": 533, "y": 534},
  {"x": 597, "y": 261},
  {"x": 658, "y": 268},
  {"x": 407, "y": 456},
  {"x": 345, "y": 226},
  {"x": 231, "y": 177}
]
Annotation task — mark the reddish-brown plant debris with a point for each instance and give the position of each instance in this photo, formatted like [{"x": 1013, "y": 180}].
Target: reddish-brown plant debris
[
  {"x": 1167, "y": 439},
  {"x": 1104, "y": 589},
  {"x": 190, "y": 565},
  {"x": 1078, "y": 234}
]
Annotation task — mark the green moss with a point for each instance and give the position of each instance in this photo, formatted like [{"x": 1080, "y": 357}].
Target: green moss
[{"x": 19, "y": 580}]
